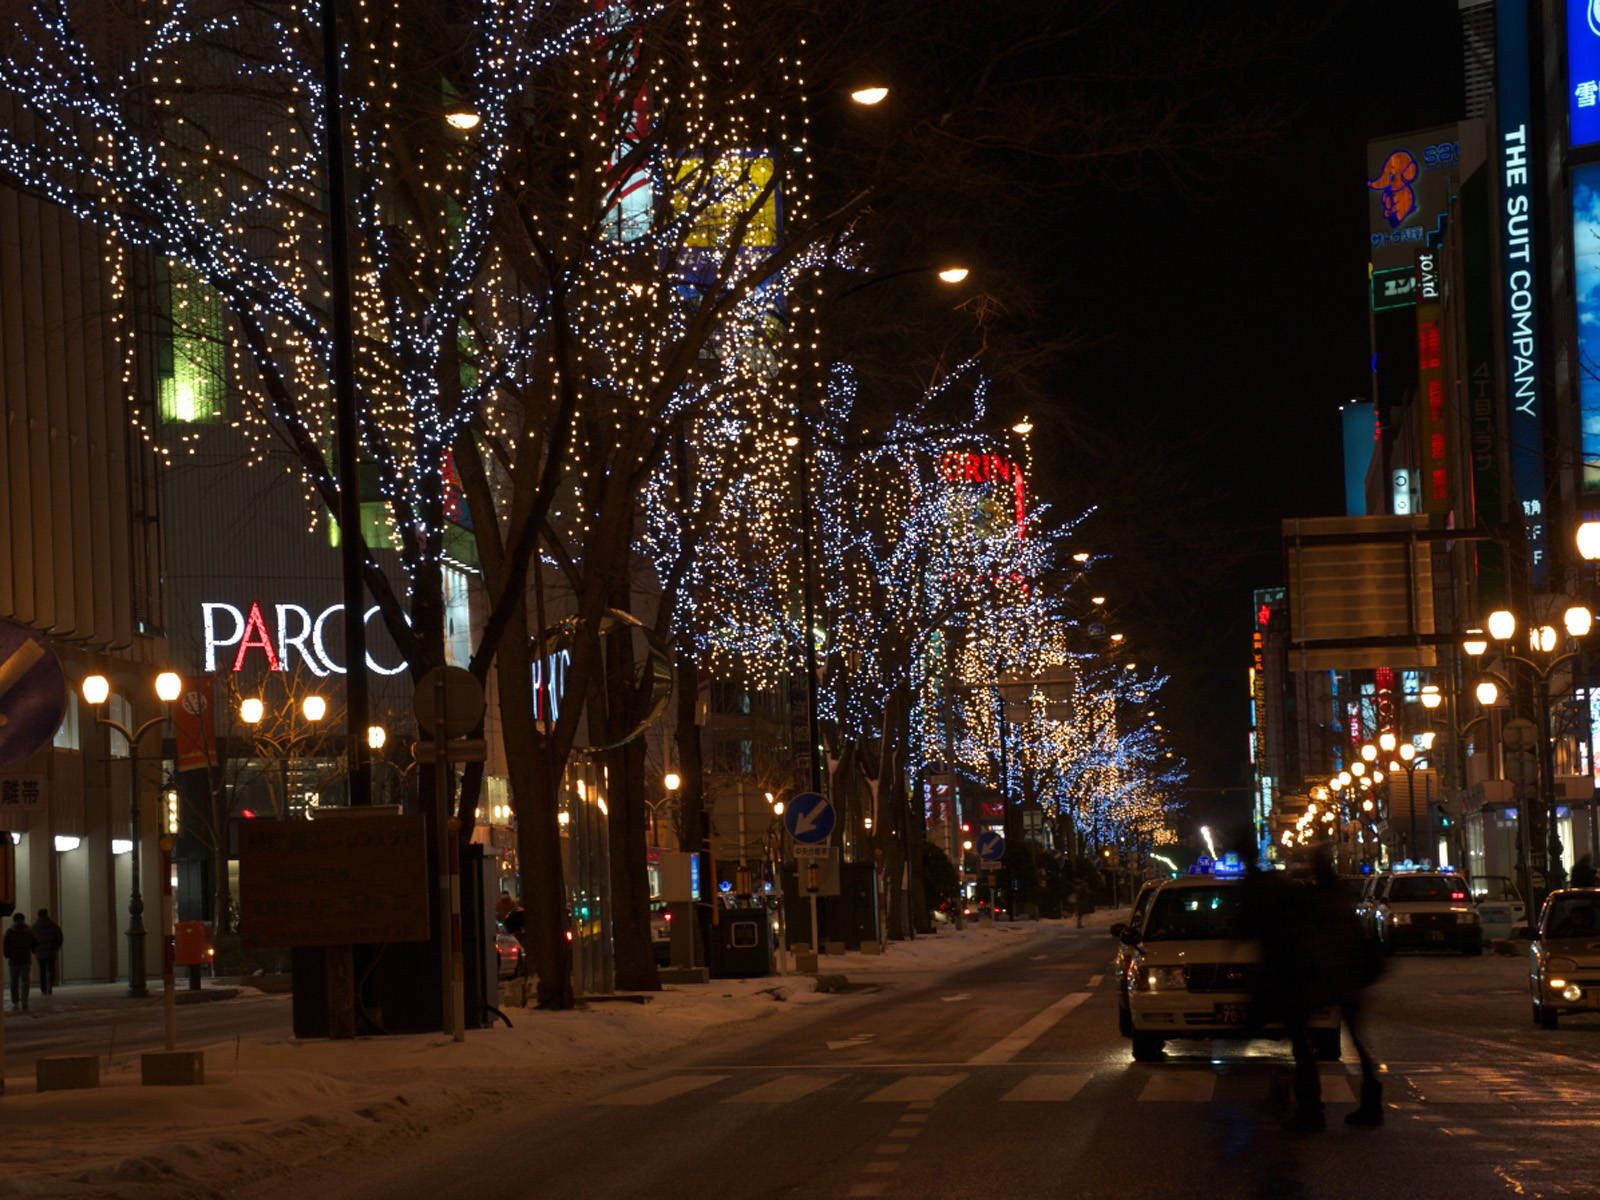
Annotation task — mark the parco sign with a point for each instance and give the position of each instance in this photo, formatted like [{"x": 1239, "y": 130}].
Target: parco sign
[{"x": 298, "y": 632}]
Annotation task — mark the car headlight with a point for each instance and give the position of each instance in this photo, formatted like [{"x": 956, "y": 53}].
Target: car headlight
[
  {"x": 1558, "y": 970},
  {"x": 1160, "y": 979},
  {"x": 1398, "y": 918}
]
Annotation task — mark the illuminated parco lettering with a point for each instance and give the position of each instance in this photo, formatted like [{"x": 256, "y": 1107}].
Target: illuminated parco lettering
[{"x": 251, "y": 631}]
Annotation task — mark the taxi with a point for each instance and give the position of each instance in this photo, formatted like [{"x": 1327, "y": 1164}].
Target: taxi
[
  {"x": 1193, "y": 973},
  {"x": 1427, "y": 910}
]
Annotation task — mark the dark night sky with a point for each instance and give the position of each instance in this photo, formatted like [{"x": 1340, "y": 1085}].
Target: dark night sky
[{"x": 1228, "y": 323}]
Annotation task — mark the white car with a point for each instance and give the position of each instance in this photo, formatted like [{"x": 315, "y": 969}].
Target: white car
[
  {"x": 1193, "y": 972},
  {"x": 1500, "y": 908}
]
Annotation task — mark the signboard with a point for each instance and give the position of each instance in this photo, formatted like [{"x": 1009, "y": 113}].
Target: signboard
[
  {"x": 21, "y": 793},
  {"x": 1583, "y": 72},
  {"x": 991, "y": 848},
  {"x": 289, "y": 633},
  {"x": 1586, "y": 323},
  {"x": 1409, "y": 180},
  {"x": 1519, "y": 272},
  {"x": 1393, "y": 287},
  {"x": 33, "y": 692},
  {"x": 448, "y": 695},
  {"x": 355, "y": 881},
  {"x": 192, "y": 727},
  {"x": 1433, "y": 428},
  {"x": 809, "y": 819}
]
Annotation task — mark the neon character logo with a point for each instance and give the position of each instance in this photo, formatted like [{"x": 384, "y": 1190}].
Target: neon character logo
[
  {"x": 1395, "y": 177},
  {"x": 1594, "y": 17}
]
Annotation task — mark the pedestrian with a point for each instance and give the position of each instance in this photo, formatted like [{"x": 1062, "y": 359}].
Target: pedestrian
[
  {"x": 47, "y": 935},
  {"x": 1314, "y": 958},
  {"x": 504, "y": 906},
  {"x": 1082, "y": 901},
  {"x": 18, "y": 947},
  {"x": 1583, "y": 874}
]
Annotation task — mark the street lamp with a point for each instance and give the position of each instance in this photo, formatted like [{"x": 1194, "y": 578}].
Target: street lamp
[
  {"x": 1369, "y": 752},
  {"x": 1487, "y": 692},
  {"x": 314, "y": 708},
  {"x": 1589, "y": 541},
  {"x": 1023, "y": 427},
  {"x": 97, "y": 691},
  {"x": 376, "y": 737},
  {"x": 671, "y": 781},
  {"x": 870, "y": 96}
]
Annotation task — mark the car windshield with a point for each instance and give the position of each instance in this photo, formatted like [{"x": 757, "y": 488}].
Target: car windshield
[
  {"x": 1428, "y": 887},
  {"x": 1572, "y": 917},
  {"x": 1142, "y": 904},
  {"x": 1494, "y": 888},
  {"x": 1190, "y": 914}
]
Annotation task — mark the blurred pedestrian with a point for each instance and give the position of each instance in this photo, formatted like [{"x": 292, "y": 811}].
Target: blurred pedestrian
[
  {"x": 47, "y": 946},
  {"x": 1313, "y": 958},
  {"x": 1082, "y": 900},
  {"x": 504, "y": 905},
  {"x": 1583, "y": 872},
  {"x": 17, "y": 947}
]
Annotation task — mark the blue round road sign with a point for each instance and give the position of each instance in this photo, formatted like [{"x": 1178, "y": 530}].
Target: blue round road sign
[
  {"x": 809, "y": 819},
  {"x": 33, "y": 692},
  {"x": 991, "y": 847}
]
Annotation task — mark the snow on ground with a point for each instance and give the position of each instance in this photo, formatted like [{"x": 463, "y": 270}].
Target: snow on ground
[{"x": 278, "y": 1100}]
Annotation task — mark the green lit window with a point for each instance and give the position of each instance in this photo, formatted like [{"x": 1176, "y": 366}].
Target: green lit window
[{"x": 192, "y": 371}]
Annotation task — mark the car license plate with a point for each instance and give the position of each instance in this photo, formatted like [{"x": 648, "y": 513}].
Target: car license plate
[
  {"x": 1436, "y": 935},
  {"x": 1229, "y": 1014}
]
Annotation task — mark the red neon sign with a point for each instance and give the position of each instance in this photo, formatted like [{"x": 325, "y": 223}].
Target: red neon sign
[{"x": 970, "y": 467}]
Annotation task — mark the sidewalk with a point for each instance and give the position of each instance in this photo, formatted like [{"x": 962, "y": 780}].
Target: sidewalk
[{"x": 72, "y": 998}]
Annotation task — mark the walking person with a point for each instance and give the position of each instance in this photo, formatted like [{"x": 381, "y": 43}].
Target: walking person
[
  {"x": 1313, "y": 957},
  {"x": 1082, "y": 900},
  {"x": 18, "y": 947},
  {"x": 47, "y": 948},
  {"x": 1583, "y": 874}
]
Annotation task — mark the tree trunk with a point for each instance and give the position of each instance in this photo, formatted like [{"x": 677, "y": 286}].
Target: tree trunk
[
  {"x": 535, "y": 795},
  {"x": 633, "y": 953},
  {"x": 691, "y": 757}
]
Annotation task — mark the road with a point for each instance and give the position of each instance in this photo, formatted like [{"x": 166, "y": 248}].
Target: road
[{"x": 1008, "y": 1079}]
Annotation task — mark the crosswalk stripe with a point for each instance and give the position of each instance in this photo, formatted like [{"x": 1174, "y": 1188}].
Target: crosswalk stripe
[
  {"x": 1194, "y": 1086},
  {"x": 915, "y": 1089},
  {"x": 1048, "y": 1088},
  {"x": 1027, "y": 1033},
  {"x": 783, "y": 1089},
  {"x": 661, "y": 1089}
]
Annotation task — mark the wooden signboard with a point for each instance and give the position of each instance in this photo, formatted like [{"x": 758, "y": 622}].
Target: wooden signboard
[{"x": 357, "y": 880}]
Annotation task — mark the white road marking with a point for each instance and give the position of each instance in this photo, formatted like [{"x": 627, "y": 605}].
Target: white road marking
[
  {"x": 784, "y": 1089},
  {"x": 901, "y": 1131},
  {"x": 860, "y": 1039},
  {"x": 1037, "y": 957},
  {"x": 920, "y": 1090},
  {"x": 880, "y": 1166},
  {"x": 1030, "y": 1031},
  {"x": 1167, "y": 1086},
  {"x": 865, "y": 1189},
  {"x": 661, "y": 1089},
  {"x": 1094, "y": 980},
  {"x": 957, "y": 996},
  {"x": 893, "y": 1148},
  {"x": 1048, "y": 1088}
]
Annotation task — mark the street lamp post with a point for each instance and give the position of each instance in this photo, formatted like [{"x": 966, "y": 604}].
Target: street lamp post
[
  {"x": 1544, "y": 658},
  {"x": 97, "y": 691}
]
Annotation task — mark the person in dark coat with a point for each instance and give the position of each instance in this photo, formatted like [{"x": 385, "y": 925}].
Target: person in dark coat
[
  {"x": 1082, "y": 900},
  {"x": 18, "y": 946},
  {"x": 1313, "y": 957},
  {"x": 1583, "y": 872},
  {"x": 47, "y": 936}
]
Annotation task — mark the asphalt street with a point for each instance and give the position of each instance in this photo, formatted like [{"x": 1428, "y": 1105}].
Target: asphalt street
[{"x": 1009, "y": 1079}]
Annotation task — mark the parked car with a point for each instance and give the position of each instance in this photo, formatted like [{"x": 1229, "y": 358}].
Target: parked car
[
  {"x": 1193, "y": 972},
  {"x": 1427, "y": 910},
  {"x": 1500, "y": 906},
  {"x": 1564, "y": 956},
  {"x": 661, "y": 934},
  {"x": 508, "y": 953},
  {"x": 1367, "y": 905}
]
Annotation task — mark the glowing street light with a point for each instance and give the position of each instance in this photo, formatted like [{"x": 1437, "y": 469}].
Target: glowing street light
[
  {"x": 1502, "y": 625},
  {"x": 1475, "y": 644},
  {"x": 868, "y": 97},
  {"x": 96, "y": 690},
  {"x": 251, "y": 710},
  {"x": 1488, "y": 693},
  {"x": 1023, "y": 427},
  {"x": 1589, "y": 540},
  {"x": 462, "y": 119},
  {"x": 1369, "y": 752},
  {"x": 169, "y": 686},
  {"x": 672, "y": 781},
  {"x": 376, "y": 736},
  {"x": 314, "y": 707},
  {"x": 954, "y": 274}
]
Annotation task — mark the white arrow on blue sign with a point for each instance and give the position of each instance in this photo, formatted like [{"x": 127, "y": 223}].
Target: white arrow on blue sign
[
  {"x": 33, "y": 692},
  {"x": 991, "y": 847},
  {"x": 809, "y": 819}
]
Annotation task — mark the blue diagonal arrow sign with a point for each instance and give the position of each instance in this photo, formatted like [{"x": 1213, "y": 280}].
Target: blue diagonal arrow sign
[{"x": 809, "y": 819}]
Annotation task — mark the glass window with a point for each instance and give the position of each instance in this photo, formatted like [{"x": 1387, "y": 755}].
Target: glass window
[
  {"x": 1192, "y": 914},
  {"x": 1572, "y": 917},
  {"x": 1494, "y": 888},
  {"x": 66, "y": 737},
  {"x": 192, "y": 370}
]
